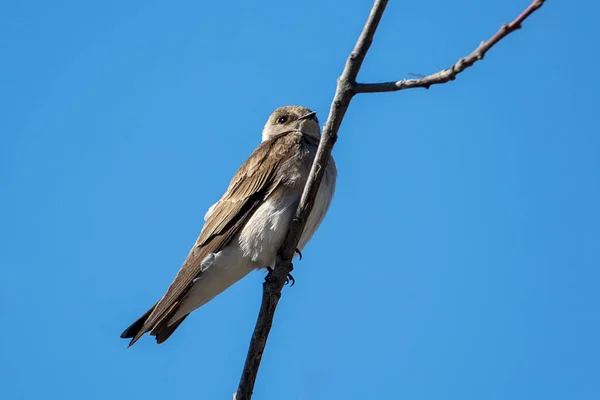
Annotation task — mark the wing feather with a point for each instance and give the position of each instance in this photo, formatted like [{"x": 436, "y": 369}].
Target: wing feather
[{"x": 256, "y": 179}]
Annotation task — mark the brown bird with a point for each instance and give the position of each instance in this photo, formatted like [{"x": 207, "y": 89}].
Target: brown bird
[{"x": 244, "y": 229}]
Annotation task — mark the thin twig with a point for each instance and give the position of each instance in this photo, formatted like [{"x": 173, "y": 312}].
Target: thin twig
[
  {"x": 450, "y": 74},
  {"x": 273, "y": 285},
  {"x": 345, "y": 91}
]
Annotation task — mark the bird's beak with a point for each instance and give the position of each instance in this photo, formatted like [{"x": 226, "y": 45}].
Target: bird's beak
[{"x": 307, "y": 116}]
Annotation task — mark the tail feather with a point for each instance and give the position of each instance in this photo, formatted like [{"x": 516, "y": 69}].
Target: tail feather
[
  {"x": 165, "y": 332},
  {"x": 162, "y": 331},
  {"x": 135, "y": 330},
  {"x": 213, "y": 282}
]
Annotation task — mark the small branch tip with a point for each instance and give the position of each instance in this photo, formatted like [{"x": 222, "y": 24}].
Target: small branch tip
[{"x": 462, "y": 64}]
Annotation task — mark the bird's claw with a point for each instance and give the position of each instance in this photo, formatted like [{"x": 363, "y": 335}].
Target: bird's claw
[
  {"x": 289, "y": 278},
  {"x": 299, "y": 254}
]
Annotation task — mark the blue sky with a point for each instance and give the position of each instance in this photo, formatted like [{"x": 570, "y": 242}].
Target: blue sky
[{"x": 459, "y": 259}]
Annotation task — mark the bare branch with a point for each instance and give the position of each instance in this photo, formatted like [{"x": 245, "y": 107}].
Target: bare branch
[
  {"x": 450, "y": 74},
  {"x": 345, "y": 91},
  {"x": 274, "y": 283}
]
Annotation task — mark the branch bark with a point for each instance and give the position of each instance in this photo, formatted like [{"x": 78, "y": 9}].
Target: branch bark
[
  {"x": 347, "y": 87},
  {"x": 275, "y": 281}
]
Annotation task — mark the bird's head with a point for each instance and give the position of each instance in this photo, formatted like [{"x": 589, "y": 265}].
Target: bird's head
[{"x": 292, "y": 118}]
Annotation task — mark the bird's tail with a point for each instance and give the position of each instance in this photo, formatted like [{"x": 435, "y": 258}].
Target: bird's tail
[
  {"x": 162, "y": 333},
  {"x": 207, "y": 286}
]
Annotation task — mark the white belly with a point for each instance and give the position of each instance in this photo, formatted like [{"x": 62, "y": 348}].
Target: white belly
[
  {"x": 322, "y": 203},
  {"x": 265, "y": 232},
  {"x": 266, "y": 229}
]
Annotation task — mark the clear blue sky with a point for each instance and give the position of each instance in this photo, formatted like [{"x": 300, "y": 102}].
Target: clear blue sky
[{"x": 459, "y": 260}]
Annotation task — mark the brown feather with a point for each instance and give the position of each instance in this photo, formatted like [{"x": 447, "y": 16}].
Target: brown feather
[
  {"x": 134, "y": 328},
  {"x": 168, "y": 330}
]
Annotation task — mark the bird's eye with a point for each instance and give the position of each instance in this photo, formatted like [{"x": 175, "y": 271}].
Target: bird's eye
[{"x": 282, "y": 120}]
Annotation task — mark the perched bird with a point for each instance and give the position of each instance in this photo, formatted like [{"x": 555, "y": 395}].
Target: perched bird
[{"x": 244, "y": 229}]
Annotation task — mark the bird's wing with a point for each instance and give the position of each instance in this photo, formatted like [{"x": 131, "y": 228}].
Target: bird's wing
[{"x": 256, "y": 179}]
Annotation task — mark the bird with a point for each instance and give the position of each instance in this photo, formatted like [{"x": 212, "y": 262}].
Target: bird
[{"x": 243, "y": 231}]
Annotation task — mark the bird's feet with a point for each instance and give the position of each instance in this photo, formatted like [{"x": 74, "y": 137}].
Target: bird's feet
[
  {"x": 299, "y": 254},
  {"x": 289, "y": 278}
]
